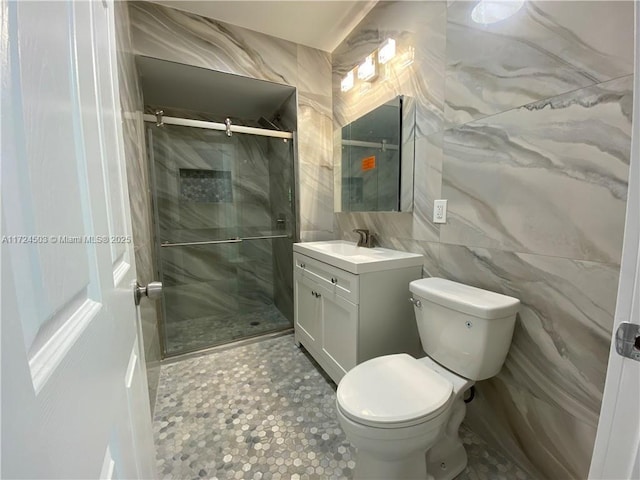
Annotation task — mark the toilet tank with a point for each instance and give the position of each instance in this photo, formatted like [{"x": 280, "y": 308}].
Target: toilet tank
[{"x": 466, "y": 329}]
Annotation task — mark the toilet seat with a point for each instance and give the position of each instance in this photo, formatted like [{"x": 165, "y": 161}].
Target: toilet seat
[{"x": 393, "y": 391}]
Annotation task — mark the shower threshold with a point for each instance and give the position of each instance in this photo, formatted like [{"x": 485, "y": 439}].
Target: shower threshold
[{"x": 227, "y": 346}]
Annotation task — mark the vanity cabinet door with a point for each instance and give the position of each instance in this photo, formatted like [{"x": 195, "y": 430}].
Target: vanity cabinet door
[
  {"x": 308, "y": 310},
  {"x": 339, "y": 331}
]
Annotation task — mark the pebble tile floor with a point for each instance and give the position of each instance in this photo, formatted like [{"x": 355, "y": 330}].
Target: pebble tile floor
[
  {"x": 265, "y": 411},
  {"x": 197, "y": 333}
]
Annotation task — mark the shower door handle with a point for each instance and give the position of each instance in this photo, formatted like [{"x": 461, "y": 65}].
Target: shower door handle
[{"x": 153, "y": 290}]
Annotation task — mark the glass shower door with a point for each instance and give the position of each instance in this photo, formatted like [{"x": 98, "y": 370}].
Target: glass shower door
[{"x": 224, "y": 228}]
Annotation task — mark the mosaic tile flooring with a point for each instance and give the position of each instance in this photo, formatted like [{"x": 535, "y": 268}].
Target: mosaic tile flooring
[
  {"x": 203, "y": 332},
  {"x": 265, "y": 411}
]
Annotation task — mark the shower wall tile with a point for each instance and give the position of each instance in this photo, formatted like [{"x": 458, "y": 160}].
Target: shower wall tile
[
  {"x": 288, "y": 114},
  {"x": 200, "y": 299},
  {"x": 250, "y": 153},
  {"x": 281, "y": 186},
  {"x": 139, "y": 194},
  {"x": 137, "y": 176},
  {"x": 183, "y": 37},
  {"x": 548, "y": 178},
  {"x": 255, "y": 218},
  {"x": 202, "y": 263},
  {"x": 253, "y": 202},
  {"x": 544, "y": 50},
  {"x": 255, "y": 271},
  {"x": 253, "y": 189},
  {"x": 314, "y": 71},
  {"x": 533, "y": 159}
]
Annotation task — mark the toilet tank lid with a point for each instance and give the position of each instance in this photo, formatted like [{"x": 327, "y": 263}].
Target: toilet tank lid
[{"x": 464, "y": 298}]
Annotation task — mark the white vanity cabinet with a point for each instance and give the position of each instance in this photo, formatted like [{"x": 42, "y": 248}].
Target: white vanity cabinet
[{"x": 344, "y": 318}]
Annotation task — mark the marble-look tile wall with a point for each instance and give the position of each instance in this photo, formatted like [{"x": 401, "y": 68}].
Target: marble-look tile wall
[
  {"x": 182, "y": 37},
  {"x": 139, "y": 195},
  {"x": 524, "y": 126}
]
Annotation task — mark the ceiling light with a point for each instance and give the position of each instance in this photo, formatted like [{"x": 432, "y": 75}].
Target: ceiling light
[
  {"x": 387, "y": 51},
  {"x": 492, "y": 11}
]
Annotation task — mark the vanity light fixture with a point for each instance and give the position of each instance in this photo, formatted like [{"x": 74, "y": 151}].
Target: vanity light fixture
[
  {"x": 487, "y": 12},
  {"x": 387, "y": 51},
  {"x": 367, "y": 70},
  {"x": 347, "y": 82}
]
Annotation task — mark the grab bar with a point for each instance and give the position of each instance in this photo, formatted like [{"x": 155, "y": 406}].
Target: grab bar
[{"x": 216, "y": 242}]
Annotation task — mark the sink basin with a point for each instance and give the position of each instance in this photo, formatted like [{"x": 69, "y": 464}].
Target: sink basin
[
  {"x": 345, "y": 249},
  {"x": 349, "y": 257}
]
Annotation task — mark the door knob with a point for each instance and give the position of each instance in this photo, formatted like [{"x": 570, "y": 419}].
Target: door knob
[
  {"x": 628, "y": 340},
  {"x": 153, "y": 290}
]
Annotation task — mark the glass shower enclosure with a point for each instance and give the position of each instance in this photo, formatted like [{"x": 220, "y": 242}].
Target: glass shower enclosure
[{"x": 225, "y": 223}]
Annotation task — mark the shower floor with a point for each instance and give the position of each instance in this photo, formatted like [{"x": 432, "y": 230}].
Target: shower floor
[
  {"x": 194, "y": 334},
  {"x": 265, "y": 411}
]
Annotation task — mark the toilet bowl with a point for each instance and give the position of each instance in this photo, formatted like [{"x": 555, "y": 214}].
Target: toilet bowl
[
  {"x": 403, "y": 414},
  {"x": 394, "y": 408}
]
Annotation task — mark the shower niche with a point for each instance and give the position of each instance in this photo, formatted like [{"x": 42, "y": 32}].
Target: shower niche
[
  {"x": 206, "y": 186},
  {"x": 221, "y": 157}
]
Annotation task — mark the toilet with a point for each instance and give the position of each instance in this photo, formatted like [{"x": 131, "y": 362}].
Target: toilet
[{"x": 403, "y": 414}]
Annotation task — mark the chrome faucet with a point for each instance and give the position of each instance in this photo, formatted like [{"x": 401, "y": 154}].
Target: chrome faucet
[{"x": 365, "y": 238}]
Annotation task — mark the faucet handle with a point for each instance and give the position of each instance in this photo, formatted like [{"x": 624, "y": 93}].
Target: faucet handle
[
  {"x": 371, "y": 240},
  {"x": 366, "y": 237},
  {"x": 363, "y": 239}
]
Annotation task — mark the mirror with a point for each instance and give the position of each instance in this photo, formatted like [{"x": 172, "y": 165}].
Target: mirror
[{"x": 377, "y": 159}]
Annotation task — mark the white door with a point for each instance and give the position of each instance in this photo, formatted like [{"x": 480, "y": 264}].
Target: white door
[
  {"x": 617, "y": 449},
  {"x": 74, "y": 394}
]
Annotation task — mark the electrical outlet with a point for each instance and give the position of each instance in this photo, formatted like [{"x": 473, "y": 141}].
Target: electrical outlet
[{"x": 440, "y": 211}]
